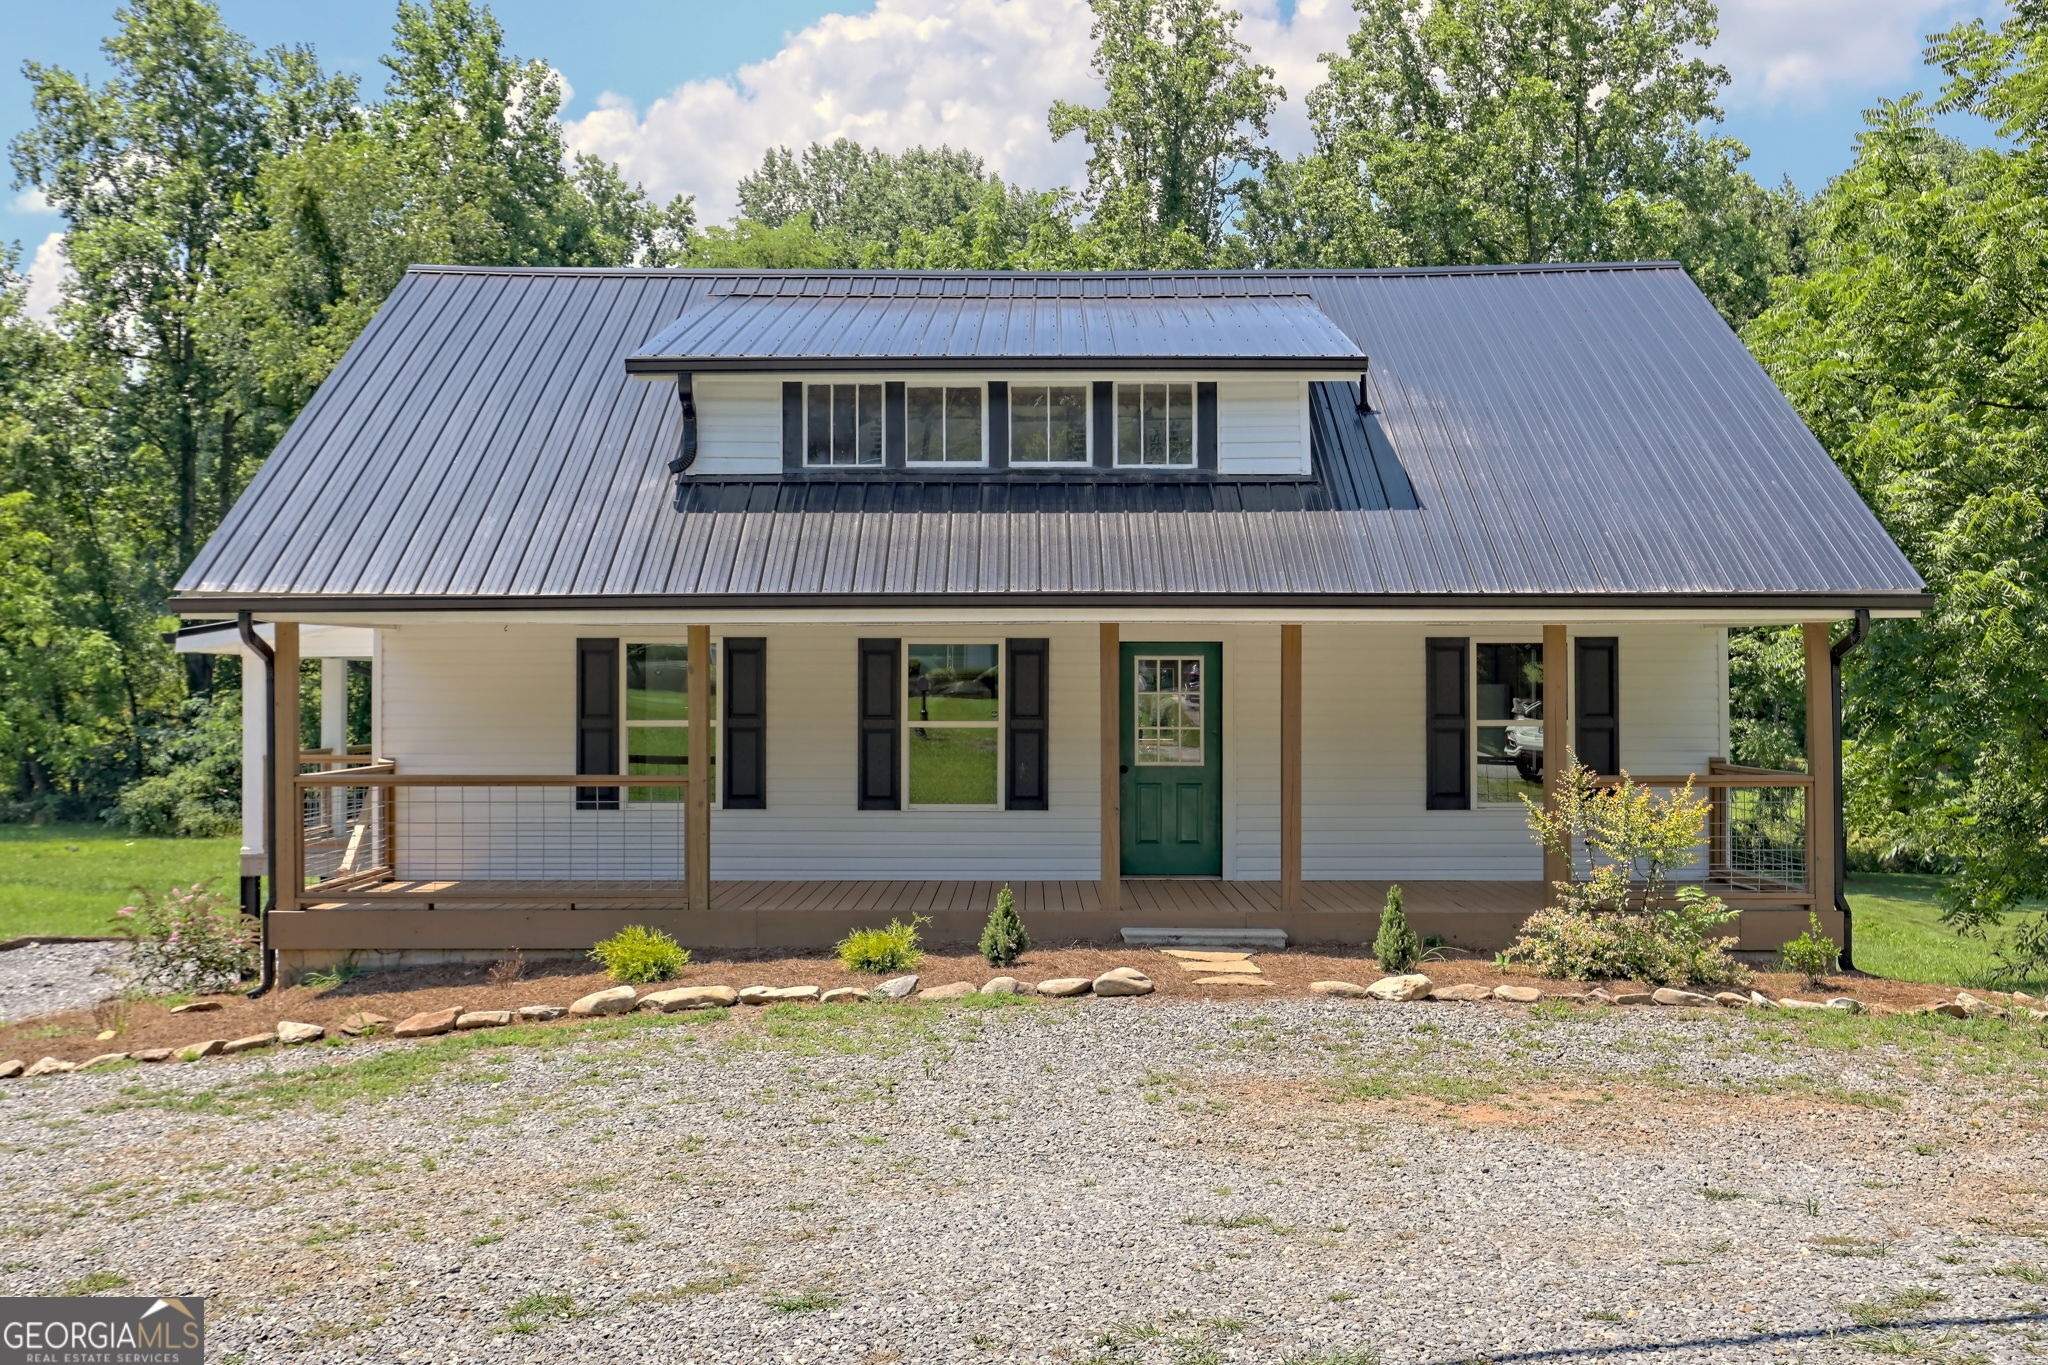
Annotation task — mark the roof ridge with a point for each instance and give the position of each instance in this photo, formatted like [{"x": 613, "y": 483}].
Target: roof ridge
[{"x": 739, "y": 272}]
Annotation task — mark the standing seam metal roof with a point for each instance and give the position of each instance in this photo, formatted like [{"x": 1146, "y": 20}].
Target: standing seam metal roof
[{"x": 1561, "y": 432}]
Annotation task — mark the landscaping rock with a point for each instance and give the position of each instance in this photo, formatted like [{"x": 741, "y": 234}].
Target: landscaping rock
[
  {"x": 1734, "y": 1000},
  {"x": 1846, "y": 1005},
  {"x": 777, "y": 995},
  {"x": 1761, "y": 1001},
  {"x": 1601, "y": 994},
  {"x": 540, "y": 1014},
  {"x": 1005, "y": 985},
  {"x": 1341, "y": 990},
  {"x": 1520, "y": 995},
  {"x": 1945, "y": 1007},
  {"x": 427, "y": 1023},
  {"x": 690, "y": 998},
  {"x": 1066, "y": 985},
  {"x": 843, "y": 995},
  {"x": 210, "y": 1048},
  {"x": 1411, "y": 987},
  {"x": 895, "y": 988},
  {"x": 952, "y": 992},
  {"x": 290, "y": 1032},
  {"x": 9, "y": 1070},
  {"x": 1634, "y": 998},
  {"x": 483, "y": 1019},
  {"x": 196, "y": 1007},
  {"x": 151, "y": 1054},
  {"x": 1977, "y": 1007},
  {"x": 103, "y": 1059},
  {"x": 1671, "y": 995},
  {"x": 363, "y": 1021},
  {"x": 1467, "y": 991},
  {"x": 1790, "y": 1004},
  {"x": 49, "y": 1066},
  {"x": 1123, "y": 981},
  {"x": 616, "y": 1000},
  {"x": 248, "y": 1044}
]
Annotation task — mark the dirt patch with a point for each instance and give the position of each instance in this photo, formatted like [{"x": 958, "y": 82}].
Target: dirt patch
[{"x": 1286, "y": 973}]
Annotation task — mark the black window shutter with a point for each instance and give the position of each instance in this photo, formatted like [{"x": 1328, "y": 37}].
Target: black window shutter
[
  {"x": 1205, "y": 426},
  {"x": 894, "y": 416},
  {"x": 1027, "y": 709},
  {"x": 1105, "y": 424},
  {"x": 792, "y": 426},
  {"x": 597, "y": 719},
  {"x": 1596, "y": 723},
  {"x": 1447, "y": 732},
  {"x": 880, "y": 701},
  {"x": 743, "y": 748},
  {"x": 998, "y": 424}
]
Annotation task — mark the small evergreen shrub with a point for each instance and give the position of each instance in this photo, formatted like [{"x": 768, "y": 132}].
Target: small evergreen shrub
[
  {"x": 1003, "y": 938},
  {"x": 1812, "y": 954},
  {"x": 1396, "y": 946},
  {"x": 637, "y": 955},
  {"x": 190, "y": 938},
  {"x": 892, "y": 948}
]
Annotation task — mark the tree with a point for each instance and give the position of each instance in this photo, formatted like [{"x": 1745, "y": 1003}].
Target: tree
[
  {"x": 1458, "y": 132},
  {"x": 870, "y": 203},
  {"x": 1916, "y": 347},
  {"x": 1179, "y": 132}
]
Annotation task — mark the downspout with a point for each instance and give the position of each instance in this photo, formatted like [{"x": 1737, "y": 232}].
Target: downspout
[
  {"x": 245, "y": 622},
  {"x": 1857, "y": 632}
]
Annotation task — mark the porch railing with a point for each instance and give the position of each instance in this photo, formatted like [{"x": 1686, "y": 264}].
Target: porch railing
[
  {"x": 373, "y": 831},
  {"x": 1757, "y": 839}
]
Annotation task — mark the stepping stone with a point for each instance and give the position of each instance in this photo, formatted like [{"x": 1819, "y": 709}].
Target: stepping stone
[
  {"x": 1245, "y": 967},
  {"x": 1205, "y": 938},
  {"x": 1230, "y": 981},
  {"x": 1203, "y": 955}
]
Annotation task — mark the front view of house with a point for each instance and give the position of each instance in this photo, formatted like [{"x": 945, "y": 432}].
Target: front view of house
[{"x": 757, "y": 606}]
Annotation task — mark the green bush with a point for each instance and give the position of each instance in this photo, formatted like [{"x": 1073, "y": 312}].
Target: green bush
[
  {"x": 1812, "y": 954},
  {"x": 190, "y": 938},
  {"x": 892, "y": 948},
  {"x": 637, "y": 955},
  {"x": 1396, "y": 946},
  {"x": 1003, "y": 938},
  {"x": 1668, "y": 947}
]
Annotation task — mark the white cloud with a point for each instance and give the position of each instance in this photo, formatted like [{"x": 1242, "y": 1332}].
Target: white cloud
[
  {"x": 980, "y": 74},
  {"x": 47, "y": 274},
  {"x": 30, "y": 200}
]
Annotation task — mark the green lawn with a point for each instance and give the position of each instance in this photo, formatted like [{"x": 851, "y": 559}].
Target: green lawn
[
  {"x": 69, "y": 879},
  {"x": 1899, "y": 934}
]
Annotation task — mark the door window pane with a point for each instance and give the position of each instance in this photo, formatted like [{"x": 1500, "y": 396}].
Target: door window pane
[
  {"x": 1167, "y": 712},
  {"x": 1508, "y": 705}
]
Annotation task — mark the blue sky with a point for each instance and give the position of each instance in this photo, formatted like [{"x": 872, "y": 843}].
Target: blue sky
[{"x": 686, "y": 94}]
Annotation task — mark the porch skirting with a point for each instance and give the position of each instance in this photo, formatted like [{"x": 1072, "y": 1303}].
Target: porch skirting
[{"x": 550, "y": 917}]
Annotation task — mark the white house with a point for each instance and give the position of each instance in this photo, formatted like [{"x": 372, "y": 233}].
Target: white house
[{"x": 1168, "y": 599}]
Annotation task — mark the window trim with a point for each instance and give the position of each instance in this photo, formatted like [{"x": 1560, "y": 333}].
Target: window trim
[
  {"x": 626, "y": 724},
  {"x": 1194, "y": 388},
  {"x": 1086, "y": 385},
  {"x": 1000, "y": 724},
  {"x": 856, "y": 383},
  {"x": 1474, "y": 645},
  {"x": 979, "y": 385}
]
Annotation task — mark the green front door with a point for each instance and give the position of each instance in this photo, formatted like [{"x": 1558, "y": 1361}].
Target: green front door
[{"x": 1172, "y": 760}]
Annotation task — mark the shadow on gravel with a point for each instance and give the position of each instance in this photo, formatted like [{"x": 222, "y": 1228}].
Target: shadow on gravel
[{"x": 1654, "y": 1348}]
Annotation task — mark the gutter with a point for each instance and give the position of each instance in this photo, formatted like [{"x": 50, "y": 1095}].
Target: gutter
[
  {"x": 1858, "y": 631},
  {"x": 267, "y": 956}
]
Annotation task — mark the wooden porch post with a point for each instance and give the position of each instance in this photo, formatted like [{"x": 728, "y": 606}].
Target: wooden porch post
[
  {"x": 289, "y": 857},
  {"x": 697, "y": 796},
  {"x": 1557, "y": 710},
  {"x": 1820, "y": 762},
  {"x": 1290, "y": 767},
  {"x": 1109, "y": 706}
]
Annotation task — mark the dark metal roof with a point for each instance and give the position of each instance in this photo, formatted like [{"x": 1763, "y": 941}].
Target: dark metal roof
[
  {"x": 763, "y": 329},
  {"x": 1541, "y": 436}
]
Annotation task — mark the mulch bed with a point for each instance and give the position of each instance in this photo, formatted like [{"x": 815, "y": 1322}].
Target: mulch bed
[{"x": 71, "y": 1036}]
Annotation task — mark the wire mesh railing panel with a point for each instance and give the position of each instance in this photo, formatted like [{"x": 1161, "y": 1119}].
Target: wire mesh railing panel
[
  {"x": 1759, "y": 838},
  {"x": 534, "y": 833},
  {"x": 344, "y": 832}
]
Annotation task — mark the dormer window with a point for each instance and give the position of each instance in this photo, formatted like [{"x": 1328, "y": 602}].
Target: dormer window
[
  {"x": 1048, "y": 424},
  {"x": 842, "y": 425},
  {"x": 942, "y": 424},
  {"x": 1155, "y": 425}
]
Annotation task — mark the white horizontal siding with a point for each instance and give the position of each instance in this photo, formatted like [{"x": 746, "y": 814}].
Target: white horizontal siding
[
  {"x": 739, "y": 425},
  {"x": 502, "y": 699},
  {"x": 1262, "y": 426}
]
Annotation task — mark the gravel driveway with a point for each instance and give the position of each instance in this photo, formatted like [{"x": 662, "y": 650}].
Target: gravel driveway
[
  {"x": 45, "y": 978},
  {"x": 1097, "y": 1181}
]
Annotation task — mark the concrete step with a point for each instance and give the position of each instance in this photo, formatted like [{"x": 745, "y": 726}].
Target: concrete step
[{"x": 1206, "y": 938}]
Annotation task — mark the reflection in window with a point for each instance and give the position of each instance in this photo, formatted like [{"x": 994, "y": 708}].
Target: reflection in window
[
  {"x": 658, "y": 730},
  {"x": 842, "y": 425},
  {"x": 942, "y": 425},
  {"x": 952, "y": 724},
  {"x": 1048, "y": 424},
  {"x": 1508, "y": 706},
  {"x": 1155, "y": 424},
  {"x": 1167, "y": 712}
]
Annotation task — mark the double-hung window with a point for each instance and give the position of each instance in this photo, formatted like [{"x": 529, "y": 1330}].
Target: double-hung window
[
  {"x": 942, "y": 424},
  {"x": 1155, "y": 425},
  {"x": 1507, "y": 710},
  {"x": 953, "y": 725},
  {"x": 1048, "y": 424},
  {"x": 659, "y": 728},
  {"x": 842, "y": 425}
]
